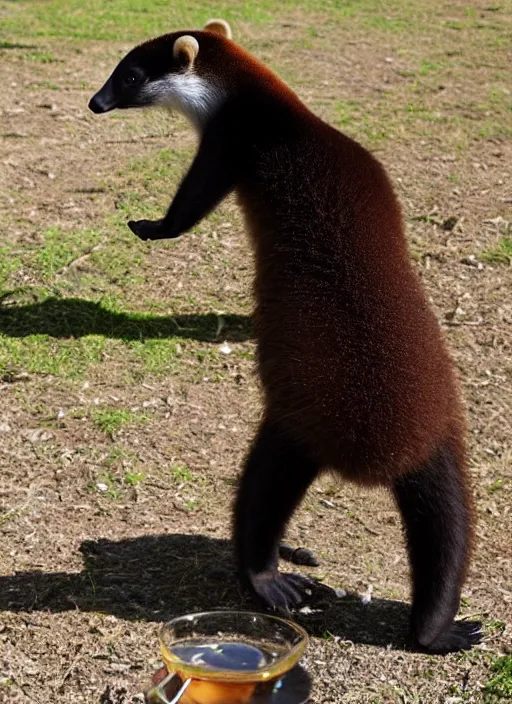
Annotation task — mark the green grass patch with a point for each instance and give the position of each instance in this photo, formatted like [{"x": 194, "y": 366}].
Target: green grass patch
[
  {"x": 119, "y": 19},
  {"x": 41, "y": 85},
  {"x": 146, "y": 186},
  {"x": 9, "y": 263},
  {"x": 112, "y": 420},
  {"x": 120, "y": 464},
  {"x": 500, "y": 685},
  {"x": 65, "y": 337},
  {"x": 494, "y": 130},
  {"x": 83, "y": 261},
  {"x": 348, "y": 111},
  {"x": 501, "y": 253},
  {"x": 496, "y": 486},
  {"x": 103, "y": 256},
  {"x": 374, "y": 122},
  {"x": 118, "y": 456},
  {"x": 428, "y": 67},
  {"x": 42, "y": 57},
  {"x": 157, "y": 356},
  {"x": 106, "y": 484},
  {"x": 11, "y": 513},
  {"x": 133, "y": 479},
  {"x": 132, "y": 21},
  {"x": 58, "y": 250},
  {"x": 43, "y": 354},
  {"x": 359, "y": 121},
  {"x": 107, "y": 255},
  {"x": 181, "y": 473}
]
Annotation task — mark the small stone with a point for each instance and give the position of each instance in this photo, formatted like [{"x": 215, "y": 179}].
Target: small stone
[
  {"x": 367, "y": 596},
  {"x": 36, "y": 435},
  {"x": 307, "y": 610}
]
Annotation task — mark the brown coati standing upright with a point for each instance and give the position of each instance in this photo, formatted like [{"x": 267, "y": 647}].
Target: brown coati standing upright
[{"x": 355, "y": 373}]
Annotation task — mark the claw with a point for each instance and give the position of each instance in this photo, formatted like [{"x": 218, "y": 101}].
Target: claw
[
  {"x": 288, "y": 589},
  {"x": 301, "y": 581},
  {"x": 462, "y": 635},
  {"x": 282, "y": 591}
]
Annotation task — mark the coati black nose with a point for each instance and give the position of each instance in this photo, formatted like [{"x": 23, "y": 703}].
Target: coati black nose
[
  {"x": 96, "y": 104},
  {"x": 102, "y": 102}
]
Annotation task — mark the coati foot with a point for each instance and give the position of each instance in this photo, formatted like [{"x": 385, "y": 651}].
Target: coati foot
[
  {"x": 149, "y": 229},
  {"x": 462, "y": 635},
  {"x": 298, "y": 556},
  {"x": 281, "y": 591}
]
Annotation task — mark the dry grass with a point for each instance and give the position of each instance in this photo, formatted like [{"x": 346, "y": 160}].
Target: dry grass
[{"x": 123, "y": 424}]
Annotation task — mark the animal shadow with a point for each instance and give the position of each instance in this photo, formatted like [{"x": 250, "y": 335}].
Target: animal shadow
[
  {"x": 156, "y": 578},
  {"x": 76, "y": 317},
  {"x": 150, "y": 578}
]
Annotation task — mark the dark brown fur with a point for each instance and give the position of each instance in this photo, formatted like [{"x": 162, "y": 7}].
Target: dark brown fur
[{"x": 354, "y": 369}]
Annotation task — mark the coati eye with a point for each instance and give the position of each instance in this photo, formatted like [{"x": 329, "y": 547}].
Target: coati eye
[{"x": 131, "y": 78}]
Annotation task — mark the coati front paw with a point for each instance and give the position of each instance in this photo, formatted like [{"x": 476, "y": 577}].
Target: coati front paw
[
  {"x": 148, "y": 229},
  {"x": 462, "y": 635},
  {"x": 282, "y": 592}
]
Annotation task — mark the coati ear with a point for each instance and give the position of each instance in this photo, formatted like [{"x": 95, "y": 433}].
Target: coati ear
[
  {"x": 219, "y": 27},
  {"x": 185, "y": 50}
]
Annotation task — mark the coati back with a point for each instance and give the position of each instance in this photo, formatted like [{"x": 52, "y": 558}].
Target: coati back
[{"x": 355, "y": 373}]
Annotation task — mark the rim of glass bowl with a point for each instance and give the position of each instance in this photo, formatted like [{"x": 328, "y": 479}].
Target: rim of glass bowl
[{"x": 283, "y": 663}]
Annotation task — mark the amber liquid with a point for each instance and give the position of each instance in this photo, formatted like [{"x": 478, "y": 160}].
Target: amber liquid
[{"x": 221, "y": 657}]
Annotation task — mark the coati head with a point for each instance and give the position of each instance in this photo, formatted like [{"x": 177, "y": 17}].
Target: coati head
[{"x": 168, "y": 72}]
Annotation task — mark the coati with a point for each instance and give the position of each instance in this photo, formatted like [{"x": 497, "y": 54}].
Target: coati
[{"x": 355, "y": 373}]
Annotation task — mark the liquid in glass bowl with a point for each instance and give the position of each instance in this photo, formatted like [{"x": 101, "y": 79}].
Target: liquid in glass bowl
[{"x": 227, "y": 654}]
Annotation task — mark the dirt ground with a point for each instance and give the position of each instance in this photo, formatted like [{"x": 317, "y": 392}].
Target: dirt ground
[{"x": 113, "y": 523}]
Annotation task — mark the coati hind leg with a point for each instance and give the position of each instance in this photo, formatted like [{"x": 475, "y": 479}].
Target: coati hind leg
[
  {"x": 276, "y": 476},
  {"x": 437, "y": 518}
]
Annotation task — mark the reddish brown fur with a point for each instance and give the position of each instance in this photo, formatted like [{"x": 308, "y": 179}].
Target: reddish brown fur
[
  {"x": 355, "y": 372},
  {"x": 350, "y": 354}
]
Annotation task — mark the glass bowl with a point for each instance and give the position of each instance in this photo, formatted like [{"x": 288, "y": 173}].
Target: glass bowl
[{"x": 231, "y": 646}]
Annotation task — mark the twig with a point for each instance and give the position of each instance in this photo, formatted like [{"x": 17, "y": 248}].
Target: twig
[
  {"x": 361, "y": 522},
  {"x": 71, "y": 667},
  {"x": 81, "y": 258}
]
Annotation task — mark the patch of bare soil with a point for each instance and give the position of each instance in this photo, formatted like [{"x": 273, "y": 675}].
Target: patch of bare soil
[{"x": 87, "y": 577}]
